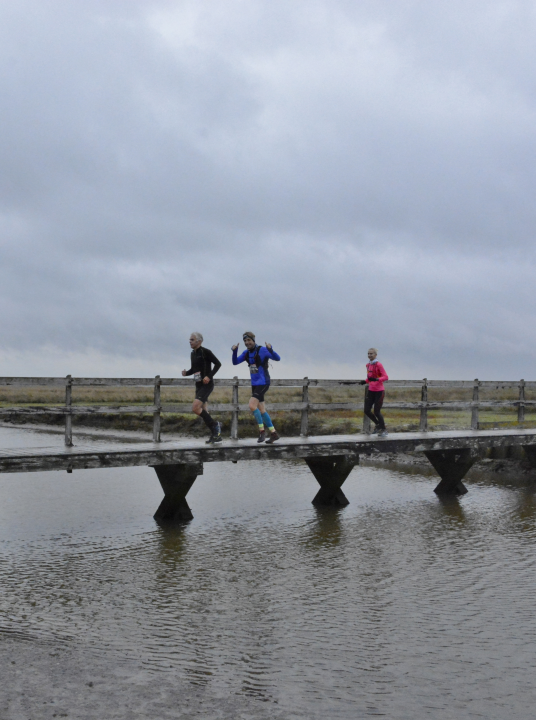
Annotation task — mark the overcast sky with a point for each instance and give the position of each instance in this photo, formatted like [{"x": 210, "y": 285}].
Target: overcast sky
[{"x": 329, "y": 174}]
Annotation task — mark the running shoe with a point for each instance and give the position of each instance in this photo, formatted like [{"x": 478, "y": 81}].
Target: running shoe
[
  {"x": 383, "y": 433},
  {"x": 262, "y": 436},
  {"x": 273, "y": 437},
  {"x": 376, "y": 430},
  {"x": 216, "y": 435}
]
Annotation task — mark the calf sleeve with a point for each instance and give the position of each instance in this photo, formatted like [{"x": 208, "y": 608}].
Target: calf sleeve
[
  {"x": 258, "y": 417},
  {"x": 268, "y": 422}
]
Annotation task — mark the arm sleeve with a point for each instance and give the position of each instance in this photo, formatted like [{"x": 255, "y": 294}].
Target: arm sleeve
[
  {"x": 217, "y": 365},
  {"x": 238, "y": 360},
  {"x": 272, "y": 354}
]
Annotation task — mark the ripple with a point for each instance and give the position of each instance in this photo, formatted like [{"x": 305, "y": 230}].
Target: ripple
[{"x": 400, "y": 605}]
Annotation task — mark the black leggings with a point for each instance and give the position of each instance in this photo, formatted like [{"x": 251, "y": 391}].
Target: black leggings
[{"x": 375, "y": 399}]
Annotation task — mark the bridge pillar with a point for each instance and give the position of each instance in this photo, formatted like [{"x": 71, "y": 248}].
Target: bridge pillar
[
  {"x": 530, "y": 454},
  {"x": 176, "y": 481},
  {"x": 331, "y": 472},
  {"x": 451, "y": 466}
]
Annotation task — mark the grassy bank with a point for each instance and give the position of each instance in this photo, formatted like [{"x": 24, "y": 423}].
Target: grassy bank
[{"x": 288, "y": 423}]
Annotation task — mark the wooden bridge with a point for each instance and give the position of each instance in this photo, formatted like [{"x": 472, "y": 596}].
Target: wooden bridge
[{"x": 330, "y": 458}]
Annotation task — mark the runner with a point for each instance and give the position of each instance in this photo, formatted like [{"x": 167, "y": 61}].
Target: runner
[
  {"x": 376, "y": 376},
  {"x": 202, "y": 360},
  {"x": 257, "y": 358}
]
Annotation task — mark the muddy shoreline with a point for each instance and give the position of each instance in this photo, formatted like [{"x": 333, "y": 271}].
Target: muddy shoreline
[{"x": 516, "y": 463}]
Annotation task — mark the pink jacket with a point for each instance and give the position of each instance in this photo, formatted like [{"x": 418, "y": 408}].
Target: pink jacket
[{"x": 376, "y": 376}]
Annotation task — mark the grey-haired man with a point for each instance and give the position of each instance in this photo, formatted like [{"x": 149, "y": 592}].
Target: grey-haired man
[{"x": 203, "y": 372}]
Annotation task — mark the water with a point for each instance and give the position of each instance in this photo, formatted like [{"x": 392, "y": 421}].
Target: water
[{"x": 400, "y": 605}]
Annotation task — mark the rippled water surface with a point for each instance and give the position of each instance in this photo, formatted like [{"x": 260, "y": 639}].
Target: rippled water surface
[{"x": 400, "y": 605}]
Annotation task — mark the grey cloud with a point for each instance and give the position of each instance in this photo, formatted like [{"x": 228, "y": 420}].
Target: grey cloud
[{"x": 334, "y": 174}]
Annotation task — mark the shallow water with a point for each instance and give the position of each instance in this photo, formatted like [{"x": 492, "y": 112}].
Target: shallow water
[{"x": 399, "y": 605}]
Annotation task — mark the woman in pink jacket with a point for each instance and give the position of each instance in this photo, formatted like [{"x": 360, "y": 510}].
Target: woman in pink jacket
[{"x": 376, "y": 376}]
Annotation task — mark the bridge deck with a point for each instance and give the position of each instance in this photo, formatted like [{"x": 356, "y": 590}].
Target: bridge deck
[{"x": 108, "y": 454}]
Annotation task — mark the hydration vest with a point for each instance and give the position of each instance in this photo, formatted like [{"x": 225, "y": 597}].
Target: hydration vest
[
  {"x": 200, "y": 362},
  {"x": 257, "y": 361}
]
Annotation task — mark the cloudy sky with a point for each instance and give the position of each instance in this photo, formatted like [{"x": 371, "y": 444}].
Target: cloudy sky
[{"x": 330, "y": 174}]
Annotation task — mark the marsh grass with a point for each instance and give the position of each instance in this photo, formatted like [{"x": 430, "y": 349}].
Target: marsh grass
[{"x": 288, "y": 423}]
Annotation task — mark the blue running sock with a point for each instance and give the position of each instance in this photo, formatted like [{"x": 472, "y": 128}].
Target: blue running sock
[
  {"x": 268, "y": 422},
  {"x": 258, "y": 417}
]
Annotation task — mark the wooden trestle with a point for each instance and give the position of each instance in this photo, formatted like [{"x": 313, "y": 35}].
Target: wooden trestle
[{"x": 330, "y": 458}]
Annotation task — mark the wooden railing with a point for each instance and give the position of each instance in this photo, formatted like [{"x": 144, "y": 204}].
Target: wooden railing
[{"x": 304, "y": 406}]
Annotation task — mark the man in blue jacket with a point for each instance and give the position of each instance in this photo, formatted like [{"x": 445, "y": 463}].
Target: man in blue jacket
[{"x": 257, "y": 358}]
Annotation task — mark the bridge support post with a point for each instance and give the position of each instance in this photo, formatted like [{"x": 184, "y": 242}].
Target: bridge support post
[
  {"x": 176, "y": 481},
  {"x": 331, "y": 472},
  {"x": 530, "y": 454},
  {"x": 451, "y": 466}
]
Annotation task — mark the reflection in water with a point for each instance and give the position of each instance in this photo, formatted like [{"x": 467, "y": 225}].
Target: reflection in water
[
  {"x": 326, "y": 528},
  {"x": 451, "y": 507},
  {"x": 525, "y": 507},
  {"x": 401, "y": 604}
]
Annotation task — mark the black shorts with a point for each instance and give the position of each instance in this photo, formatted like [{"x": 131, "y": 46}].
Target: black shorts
[
  {"x": 203, "y": 391},
  {"x": 259, "y": 391}
]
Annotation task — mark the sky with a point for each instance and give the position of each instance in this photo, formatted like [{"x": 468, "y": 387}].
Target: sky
[{"x": 329, "y": 174}]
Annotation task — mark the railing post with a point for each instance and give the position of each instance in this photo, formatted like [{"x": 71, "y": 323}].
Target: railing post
[
  {"x": 423, "y": 424},
  {"x": 475, "y": 410},
  {"x": 304, "y": 427},
  {"x": 366, "y": 419},
  {"x": 158, "y": 405},
  {"x": 234, "y": 417},
  {"x": 68, "y": 414},
  {"x": 521, "y": 406}
]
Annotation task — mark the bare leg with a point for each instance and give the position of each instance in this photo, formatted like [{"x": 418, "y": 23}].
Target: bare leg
[
  {"x": 198, "y": 406},
  {"x": 254, "y": 404}
]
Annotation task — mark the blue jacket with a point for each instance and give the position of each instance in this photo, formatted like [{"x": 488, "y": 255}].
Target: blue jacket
[{"x": 262, "y": 376}]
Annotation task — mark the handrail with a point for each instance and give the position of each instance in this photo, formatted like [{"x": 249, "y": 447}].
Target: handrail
[
  {"x": 304, "y": 406},
  {"x": 230, "y": 382}
]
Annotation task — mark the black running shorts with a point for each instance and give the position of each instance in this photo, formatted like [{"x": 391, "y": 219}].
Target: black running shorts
[
  {"x": 203, "y": 391},
  {"x": 259, "y": 391}
]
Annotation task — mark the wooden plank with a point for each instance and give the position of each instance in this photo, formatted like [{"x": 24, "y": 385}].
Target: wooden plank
[
  {"x": 244, "y": 408},
  {"x": 229, "y": 382},
  {"x": 31, "y": 381},
  {"x": 196, "y": 451},
  {"x": 114, "y": 382},
  {"x": 78, "y": 410},
  {"x": 51, "y": 410},
  {"x": 457, "y": 405}
]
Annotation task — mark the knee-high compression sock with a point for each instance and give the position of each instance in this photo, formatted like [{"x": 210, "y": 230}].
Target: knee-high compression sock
[
  {"x": 209, "y": 422},
  {"x": 268, "y": 422},
  {"x": 258, "y": 417}
]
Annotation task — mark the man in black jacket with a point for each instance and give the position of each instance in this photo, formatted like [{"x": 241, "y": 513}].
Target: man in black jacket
[{"x": 203, "y": 372}]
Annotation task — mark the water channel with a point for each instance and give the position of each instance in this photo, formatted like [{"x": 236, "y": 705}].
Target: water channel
[{"x": 398, "y": 606}]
